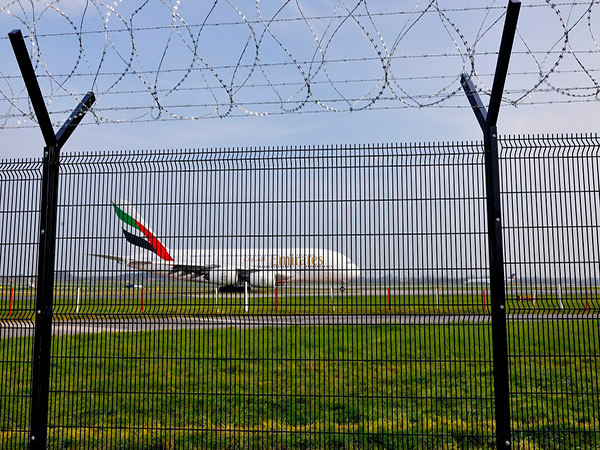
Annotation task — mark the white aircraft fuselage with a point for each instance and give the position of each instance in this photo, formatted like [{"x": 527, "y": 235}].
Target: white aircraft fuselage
[{"x": 258, "y": 267}]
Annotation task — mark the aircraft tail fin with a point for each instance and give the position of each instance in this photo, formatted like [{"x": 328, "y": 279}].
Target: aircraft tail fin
[{"x": 137, "y": 232}]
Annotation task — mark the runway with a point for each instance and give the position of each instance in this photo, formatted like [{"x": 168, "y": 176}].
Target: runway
[{"x": 135, "y": 324}]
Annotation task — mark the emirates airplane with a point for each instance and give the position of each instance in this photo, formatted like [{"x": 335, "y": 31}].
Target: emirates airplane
[{"x": 230, "y": 269}]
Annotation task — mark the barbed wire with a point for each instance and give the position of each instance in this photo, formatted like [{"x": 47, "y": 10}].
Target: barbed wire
[{"x": 186, "y": 60}]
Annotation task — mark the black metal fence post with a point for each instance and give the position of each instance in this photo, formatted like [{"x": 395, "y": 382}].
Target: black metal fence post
[
  {"x": 40, "y": 379},
  {"x": 487, "y": 120},
  {"x": 44, "y": 300},
  {"x": 497, "y": 287}
]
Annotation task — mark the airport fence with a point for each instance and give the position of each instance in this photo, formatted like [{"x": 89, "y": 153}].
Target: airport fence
[{"x": 339, "y": 298}]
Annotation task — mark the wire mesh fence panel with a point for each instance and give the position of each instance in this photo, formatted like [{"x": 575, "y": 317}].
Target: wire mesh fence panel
[
  {"x": 551, "y": 202},
  {"x": 19, "y": 227},
  {"x": 303, "y": 297},
  {"x": 333, "y": 297}
]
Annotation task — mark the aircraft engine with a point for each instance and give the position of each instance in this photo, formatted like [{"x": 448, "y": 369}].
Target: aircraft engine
[
  {"x": 262, "y": 279},
  {"x": 222, "y": 277}
]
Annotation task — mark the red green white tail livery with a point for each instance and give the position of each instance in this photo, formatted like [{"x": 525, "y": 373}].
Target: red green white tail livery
[{"x": 137, "y": 232}]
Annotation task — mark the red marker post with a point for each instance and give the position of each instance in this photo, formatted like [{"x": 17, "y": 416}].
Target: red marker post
[
  {"x": 10, "y": 307},
  {"x": 389, "y": 296},
  {"x": 143, "y": 306},
  {"x": 587, "y": 299},
  {"x": 484, "y": 300},
  {"x": 275, "y": 297}
]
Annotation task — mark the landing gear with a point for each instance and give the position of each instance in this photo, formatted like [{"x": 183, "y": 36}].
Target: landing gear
[{"x": 233, "y": 289}]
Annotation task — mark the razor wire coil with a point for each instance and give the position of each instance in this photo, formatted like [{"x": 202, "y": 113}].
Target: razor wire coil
[{"x": 182, "y": 60}]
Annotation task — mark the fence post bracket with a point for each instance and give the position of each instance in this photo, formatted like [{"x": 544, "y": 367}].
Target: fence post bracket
[
  {"x": 487, "y": 120},
  {"x": 42, "y": 339}
]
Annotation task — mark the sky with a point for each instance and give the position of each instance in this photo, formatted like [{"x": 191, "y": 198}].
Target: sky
[
  {"x": 447, "y": 36},
  {"x": 200, "y": 71}
]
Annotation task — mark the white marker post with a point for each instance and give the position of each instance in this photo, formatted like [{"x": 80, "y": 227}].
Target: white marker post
[
  {"x": 246, "y": 296},
  {"x": 331, "y": 296},
  {"x": 77, "y": 301},
  {"x": 560, "y": 302},
  {"x": 217, "y": 298}
]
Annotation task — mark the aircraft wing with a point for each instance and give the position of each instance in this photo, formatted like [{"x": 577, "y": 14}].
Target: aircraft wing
[
  {"x": 135, "y": 264},
  {"x": 226, "y": 275},
  {"x": 204, "y": 272},
  {"x": 196, "y": 271}
]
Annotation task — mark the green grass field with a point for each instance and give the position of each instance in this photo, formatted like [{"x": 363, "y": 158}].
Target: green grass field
[
  {"x": 185, "y": 298},
  {"x": 344, "y": 387}
]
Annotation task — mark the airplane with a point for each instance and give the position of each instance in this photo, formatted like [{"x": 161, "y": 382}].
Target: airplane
[
  {"x": 511, "y": 279},
  {"x": 230, "y": 269}
]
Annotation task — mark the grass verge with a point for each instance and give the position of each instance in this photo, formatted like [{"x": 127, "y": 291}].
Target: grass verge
[{"x": 346, "y": 387}]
